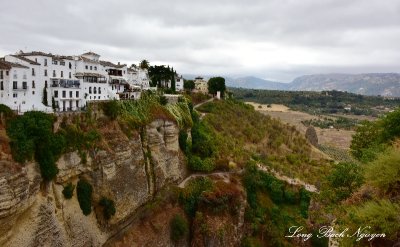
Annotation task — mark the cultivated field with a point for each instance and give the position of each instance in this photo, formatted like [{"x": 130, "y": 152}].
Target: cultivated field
[{"x": 329, "y": 137}]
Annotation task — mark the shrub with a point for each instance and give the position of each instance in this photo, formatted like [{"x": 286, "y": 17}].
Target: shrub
[
  {"x": 202, "y": 141},
  {"x": 163, "y": 100},
  {"x": 6, "y": 111},
  {"x": 384, "y": 172},
  {"x": 190, "y": 195},
  {"x": 344, "y": 179},
  {"x": 183, "y": 140},
  {"x": 179, "y": 227},
  {"x": 32, "y": 137},
  {"x": 84, "y": 193},
  {"x": 68, "y": 191},
  {"x": 381, "y": 216},
  {"x": 108, "y": 207},
  {"x": 111, "y": 109},
  {"x": 201, "y": 165}
]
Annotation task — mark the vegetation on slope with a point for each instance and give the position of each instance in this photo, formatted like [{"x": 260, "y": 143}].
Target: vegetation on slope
[
  {"x": 325, "y": 102},
  {"x": 239, "y": 133},
  {"x": 366, "y": 192}
]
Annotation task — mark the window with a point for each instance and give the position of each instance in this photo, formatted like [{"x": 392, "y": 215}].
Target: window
[
  {"x": 56, "y": 94},
  {"x": 70, "y": 65},
  {"x": 55, "y": 62},
  {"x": 45, "y": 72},
  {"x": 15, "y": 85},
  {"x": 7, "y": 73},
  {"x": 54, "y": 73},
  {"x": 90, "y": 67},
  {"x": 64, "y": 94},
  {"x": 86, "y": 67},
  {"x": 2, "y": 85},
  {"x": 94, "y": 90},
  {"x": 95, "y": 67},
  {"x": 24, "y": 85},
  {"x": 99, "y": 90},
  {"x": 70, "y": 94},
  {"x": 77, "y": 94},
  {"x": 45, "y": 62},
  {"x": 33, "y": 84},
  {"x": 1, "y": 74},
  {"x": 70, "y": 75},
  {"x": 33, "y": 71},
  {"x": 62, "y": 73},
  {"x": 90, "y": 90},
  {"x": 33, "y": 92},
  {"x": 15, "y": 95},
  {"x": 62, "y": 63}
]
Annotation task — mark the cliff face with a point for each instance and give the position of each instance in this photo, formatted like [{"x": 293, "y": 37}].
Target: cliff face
[{"x": 129, "y": 170}]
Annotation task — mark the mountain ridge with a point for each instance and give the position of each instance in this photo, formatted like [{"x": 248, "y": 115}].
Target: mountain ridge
[{"x": 384, "y": 84}]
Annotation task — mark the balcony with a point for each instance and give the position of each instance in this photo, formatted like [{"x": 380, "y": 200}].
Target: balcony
[
  {"x": 23, "y": 88},
  {"x": 66, "y": 83}
]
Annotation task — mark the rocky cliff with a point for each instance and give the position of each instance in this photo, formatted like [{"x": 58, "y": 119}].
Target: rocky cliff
[{"x": 130, "y": 170}]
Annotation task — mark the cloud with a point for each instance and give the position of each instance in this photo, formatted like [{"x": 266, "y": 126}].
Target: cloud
[{"x": 278, "y": 39}]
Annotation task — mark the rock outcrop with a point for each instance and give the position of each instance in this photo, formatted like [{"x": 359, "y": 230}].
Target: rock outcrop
[{"x": 129, "y": 170}]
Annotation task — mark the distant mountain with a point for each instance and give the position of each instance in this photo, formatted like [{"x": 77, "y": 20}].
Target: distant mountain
[
  {"x": 256, "y": 83},
  {"x": 385, "y": 84}
]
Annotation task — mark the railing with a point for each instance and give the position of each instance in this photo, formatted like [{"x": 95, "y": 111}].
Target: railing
[
  {"x": 66, "y": 83},
  {"x": 23, "y": 88}
]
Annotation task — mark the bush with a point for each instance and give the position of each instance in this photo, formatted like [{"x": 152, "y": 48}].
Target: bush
[
  {"x": 202, "y": 141},
  {"x": 381, "y": 216},
  {"x": 32, "y": 137},
  {"x": 190, "y": 195},
  {"x": 6, "y": 111},
  {"x": 163, "y": 100},
  {"x": 111, "y": 109},
  {"x": 344, "y": 179},
  {"x": 84, "y": 193},
  {"x": 183, "y": 140},
  {"x": 108, "y": 207},
  {"x": 384, "y": 171},
  {"x": 201, "y": 165},
  {"x": 179, "y": 227},
  {"x": 68, "y": 191}
]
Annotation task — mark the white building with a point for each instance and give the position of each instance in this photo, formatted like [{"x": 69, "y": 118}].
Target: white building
[{"x": 68, "y": 81}]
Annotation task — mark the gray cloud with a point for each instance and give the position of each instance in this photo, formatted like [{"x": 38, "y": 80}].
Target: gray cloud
[{"x": 274, "y": 39}]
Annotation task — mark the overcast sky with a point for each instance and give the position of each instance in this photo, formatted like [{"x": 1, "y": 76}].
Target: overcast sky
[{"x": 271, "y": 39}]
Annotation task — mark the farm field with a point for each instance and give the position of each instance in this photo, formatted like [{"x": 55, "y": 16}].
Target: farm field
[{"x": 328, "y": 137}]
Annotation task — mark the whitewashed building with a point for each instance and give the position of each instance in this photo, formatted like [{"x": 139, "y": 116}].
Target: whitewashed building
[{"x": 41, "y": 81}]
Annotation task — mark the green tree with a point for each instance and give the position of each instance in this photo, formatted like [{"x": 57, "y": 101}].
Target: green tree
[
  {"x": 53, "y": 104},
  {"x": 173, "y": 86},
  {"x": 216, "y": 84},
  {"x": 179, "y": 227},
  {"x": 44, "y": 99},
  {"x": 144, "y": 64},
  {"x": 365, "y": 137},
  {"x": 345, "y": 178},
  {"x": 188, "y": 85},
  {"x": 84, "y": 192},
  {"x": 68, "y": 191},
  {"x": 108, "y": 207}
]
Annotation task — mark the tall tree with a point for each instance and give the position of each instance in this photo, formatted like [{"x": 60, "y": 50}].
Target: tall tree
[
  {"x": 188, "y": 85},
  {"x": 173, "y": 86},
  {"x": 216, "y": 84},
  {"x": 144, "y": 64}
]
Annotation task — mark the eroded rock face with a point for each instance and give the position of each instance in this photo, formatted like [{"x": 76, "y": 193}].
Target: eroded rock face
[{"x": 126, "y": 170}]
